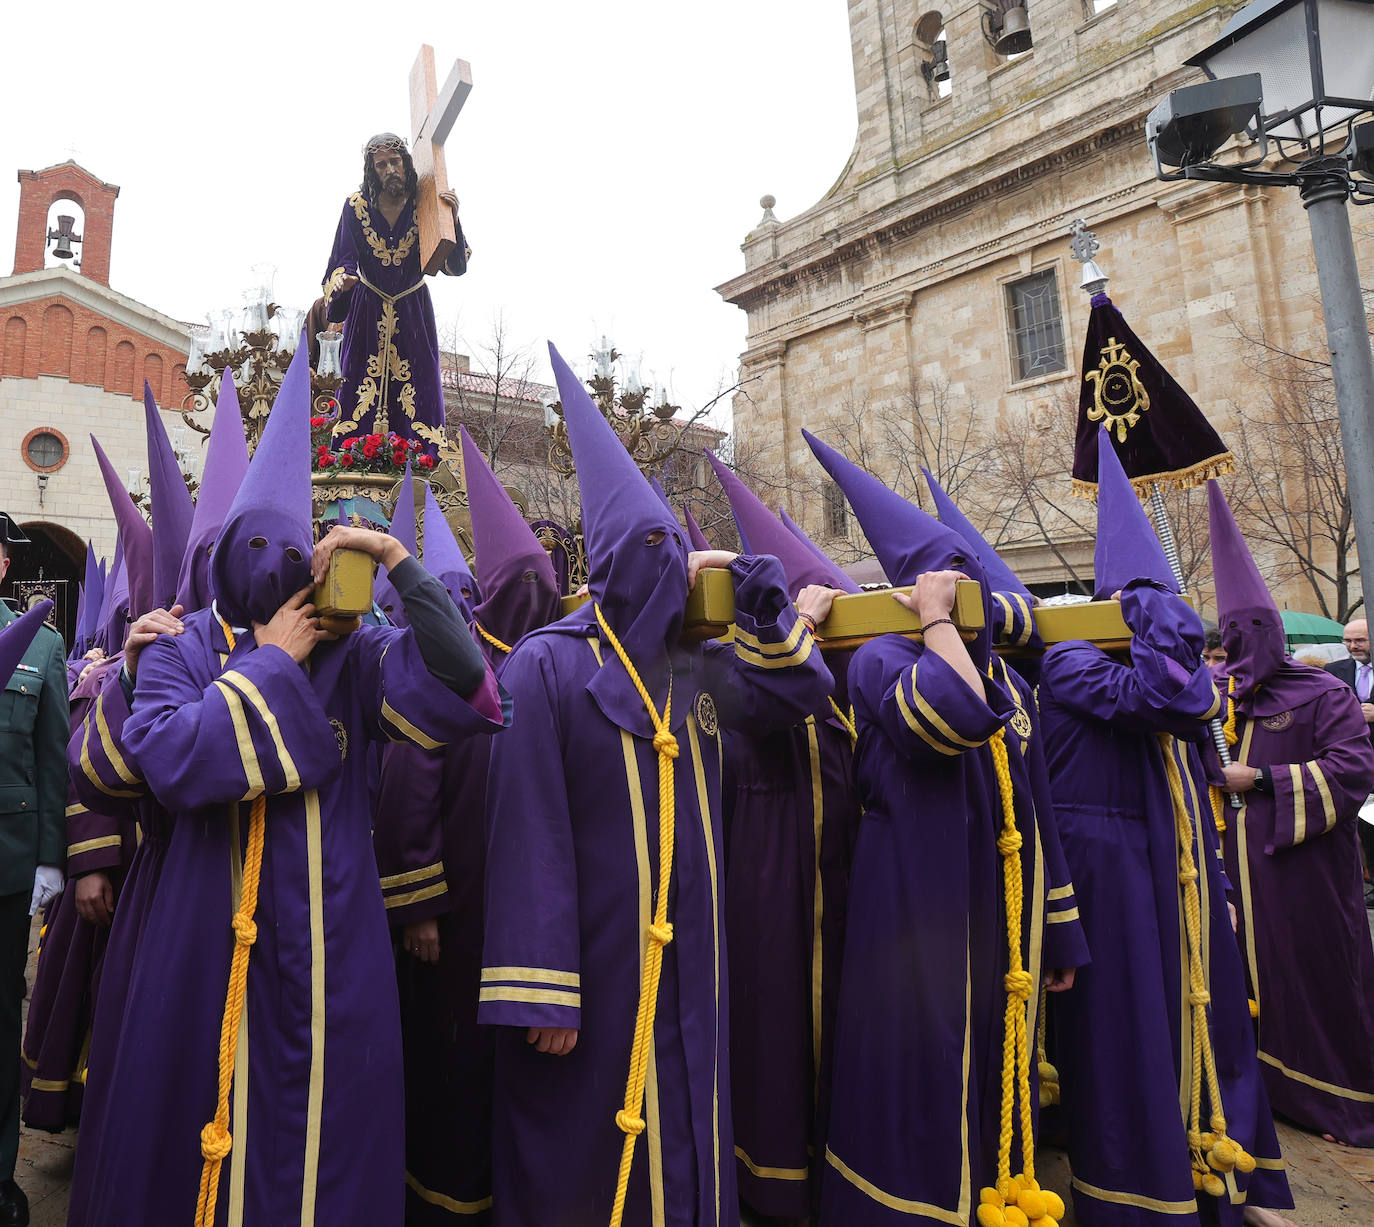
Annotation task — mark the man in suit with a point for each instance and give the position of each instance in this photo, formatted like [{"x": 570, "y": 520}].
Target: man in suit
[
  {"x": 33, "y": 842},
  {"x": 1357, "y": 672}
]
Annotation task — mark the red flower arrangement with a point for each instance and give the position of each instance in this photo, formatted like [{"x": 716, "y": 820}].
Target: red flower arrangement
[{"x": 382, "y": 454}]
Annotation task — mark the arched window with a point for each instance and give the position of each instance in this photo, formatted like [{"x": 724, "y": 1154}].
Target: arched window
[
  {"x": 152, "y": 374},
  {"x": 56, "y": 353},
  {"x": 66, "y": 225},
  {"x": 930, "y": 37},
  {"x": 122, "y": 379},
  {"x": 97, "y": 341},
  {"x": 16, "y": 336}
]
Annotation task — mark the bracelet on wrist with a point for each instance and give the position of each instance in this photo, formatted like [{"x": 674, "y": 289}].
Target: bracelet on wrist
[{"x": 925, "y": 626}]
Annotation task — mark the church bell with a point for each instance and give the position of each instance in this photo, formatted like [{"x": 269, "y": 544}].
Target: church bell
[
  {"x": 63, "y": 237},
  {"x": 1015, "y": 34}
]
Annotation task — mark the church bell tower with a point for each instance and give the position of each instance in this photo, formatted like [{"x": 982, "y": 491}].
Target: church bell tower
[{"x": 88, "y": 239}]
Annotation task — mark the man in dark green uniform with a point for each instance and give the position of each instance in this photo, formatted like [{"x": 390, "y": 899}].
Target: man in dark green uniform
[{"x": 33, "y": 838}]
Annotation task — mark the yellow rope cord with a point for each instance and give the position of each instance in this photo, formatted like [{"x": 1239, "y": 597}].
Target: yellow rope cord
[
  {"x": 1211, "y": 1151},
  {"x": 847, "y": 722},
  {"x": 1049, "y": 1076},
  {"x": 628, "y": 1120},
  {"x": 490, "y": 638},
  {"x": 1229, "y": 730},
  {"x": 1014, "y": 1197},
  {"x": 215, "y": 1142}
]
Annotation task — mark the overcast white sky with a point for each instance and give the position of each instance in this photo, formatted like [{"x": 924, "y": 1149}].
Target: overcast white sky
[{"x": 609, "y": 160}]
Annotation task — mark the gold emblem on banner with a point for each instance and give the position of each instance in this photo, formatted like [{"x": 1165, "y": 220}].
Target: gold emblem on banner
[
  {"x": 1119, "y": 398},
  {"x": 707, "y": 721},
  {"x": 340, "y": 736},
  {"x": 1277, "y": 723}
]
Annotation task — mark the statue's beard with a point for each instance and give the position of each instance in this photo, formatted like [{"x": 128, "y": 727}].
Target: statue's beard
[{"x": 394, "y": 185}]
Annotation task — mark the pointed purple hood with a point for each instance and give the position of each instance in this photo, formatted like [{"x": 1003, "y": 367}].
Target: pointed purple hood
[
  {"x": 226, "y": 462},
  {"x": 1127, "y": 545},
  {"x": 906, "y": 540},
  {"x": 761, "y": 532},
  {"x": 172, "y": 510},
  {"x": 113, "y": 615},
  {"x": 695, "y": 537},
  {"x": 88, "y": 607},
  {"x": 16, "y": 637},
  {"x": 1251, "y": 628},
  {"x": 384, "y": 595},
  {"x": 135, "y": 537},
  {"x": 640, "y": 587},
  {"x": 1001, "y": 578},
  {"x": 444, "y": 558},
  {"x": 519, "y": 585},
  {"x": 263, "y": 553}
]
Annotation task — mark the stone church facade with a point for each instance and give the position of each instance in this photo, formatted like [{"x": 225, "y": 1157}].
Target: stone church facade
[{"x": 940, "y": 256}]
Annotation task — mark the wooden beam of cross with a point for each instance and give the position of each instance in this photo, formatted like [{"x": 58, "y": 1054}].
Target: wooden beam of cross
[{"x": 432, "y": 115}]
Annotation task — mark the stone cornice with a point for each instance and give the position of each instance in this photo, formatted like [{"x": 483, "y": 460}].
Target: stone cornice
[{"x": 117, "y": 307}]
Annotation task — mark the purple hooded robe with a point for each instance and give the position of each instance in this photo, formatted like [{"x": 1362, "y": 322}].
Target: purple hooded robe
[
  {"x": 572, "y": 863},
  {"x": 1293, "y": 856},
  {"x": 101, "y": 838},
  {"x": 918, "y": 1044},
  {"x": 431, "y": 853},
  {"x": 215, "y": 722},
  {"x": 793, "y": 819}
]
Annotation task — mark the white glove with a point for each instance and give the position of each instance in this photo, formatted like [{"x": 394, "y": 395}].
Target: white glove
[{"x": 47, "y": 885}]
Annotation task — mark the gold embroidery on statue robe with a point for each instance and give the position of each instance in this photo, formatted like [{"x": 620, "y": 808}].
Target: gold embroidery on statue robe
[{"x": 388, "y": 256}]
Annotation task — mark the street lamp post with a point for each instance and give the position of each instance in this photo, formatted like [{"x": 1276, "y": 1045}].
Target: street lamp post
[{"x": 1298, "y": 74}]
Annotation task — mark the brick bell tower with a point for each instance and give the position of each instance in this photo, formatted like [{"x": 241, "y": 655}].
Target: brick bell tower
[{"x": 38, "y": 190}]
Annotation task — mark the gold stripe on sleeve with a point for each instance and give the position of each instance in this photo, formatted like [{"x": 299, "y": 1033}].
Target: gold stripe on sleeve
[
  {"x": 250, "y": 692},
  {"x": 108, "y": 746},
  {"x": 570, "y": 997},
  {"x": 1058, "y": 918},
  {"x": 408, "y": 730},
  {"x": 417, "y": 896},
  {"x": 1324, "y": 791},
  {"x": 248, "y": 755},
  {"x": 532, "y": 975},
  {"x": 1299, "y": 803},
  {"x": 90, "y": 845},
  {"x": 781, "y": 648},
  {"x": 393, "y": 880}
]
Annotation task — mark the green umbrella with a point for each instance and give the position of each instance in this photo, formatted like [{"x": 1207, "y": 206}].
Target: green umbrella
[{"x": 1310, "y": 628}]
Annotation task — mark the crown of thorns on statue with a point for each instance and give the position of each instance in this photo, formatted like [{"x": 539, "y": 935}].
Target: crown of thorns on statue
[{"x": 386, "y": 141}]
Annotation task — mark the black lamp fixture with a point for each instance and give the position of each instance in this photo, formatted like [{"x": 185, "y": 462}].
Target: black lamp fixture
[{"x": 1297, "y": 78}]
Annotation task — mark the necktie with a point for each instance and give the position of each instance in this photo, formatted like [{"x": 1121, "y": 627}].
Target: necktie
[{"x": 1362, "y": 683}]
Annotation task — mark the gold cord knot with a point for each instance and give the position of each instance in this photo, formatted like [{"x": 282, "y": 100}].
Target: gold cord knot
[
  {"x": 1200, "y": 997},
  {"x": 665, "y": 743},
  {"x": 1018, "y": 984},
  {"x": 633, "y": 1125},
  {"x": 1009, "y": 842},
  {"x": 662, "y": 934},
  {"x": 215, "y": 1142},
  {"x": 245, "y": 930},
  {"x": 1188, "y": 875}
]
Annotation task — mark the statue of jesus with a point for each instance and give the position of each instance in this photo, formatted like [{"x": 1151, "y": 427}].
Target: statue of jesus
[{"x": 374, "y": 287}]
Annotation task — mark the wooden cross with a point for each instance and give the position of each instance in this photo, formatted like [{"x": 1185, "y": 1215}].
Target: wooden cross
[{"x": 432, "y": 114}]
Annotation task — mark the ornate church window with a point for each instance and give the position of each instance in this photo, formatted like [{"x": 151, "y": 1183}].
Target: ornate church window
[
  {"x": 45, "y": 449},
  {"x": 1036, "y": 325}
]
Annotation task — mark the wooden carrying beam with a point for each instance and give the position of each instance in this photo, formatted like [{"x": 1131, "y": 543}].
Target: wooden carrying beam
[{"x": 858, "y": 617}]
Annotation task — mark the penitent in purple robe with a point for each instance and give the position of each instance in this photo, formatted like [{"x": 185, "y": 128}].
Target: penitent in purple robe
[
  {"x": 1123, "y": 1033},
  {"x": 214, "y": 726},
  {"x": 1293, "y": 857},
  {"x": 793, "y": 816},
  {"x": 390, "y": 348},
  {"x": 66, "y": 984},
  {"x": 571, "y": 872},
  {"x": 918, "y": 1046}
]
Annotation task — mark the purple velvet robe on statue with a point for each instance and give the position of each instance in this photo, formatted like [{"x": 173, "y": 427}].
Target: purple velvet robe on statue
[
  {"x": 212, "y": 727},
  {"x": 1123, "y": 1033},
  {"x": 390, "y": 348},
  {"x": 573, "y": 818}
]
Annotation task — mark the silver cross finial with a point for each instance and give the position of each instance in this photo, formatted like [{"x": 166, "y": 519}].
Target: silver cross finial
[{"x": 1084, "y": 246}]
